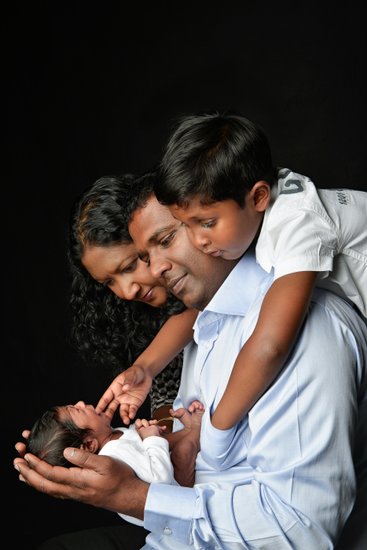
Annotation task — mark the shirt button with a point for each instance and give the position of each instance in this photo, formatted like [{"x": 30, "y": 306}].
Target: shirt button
[{"x": 167, "y": 531}]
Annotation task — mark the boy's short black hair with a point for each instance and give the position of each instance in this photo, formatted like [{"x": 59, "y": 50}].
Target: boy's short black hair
[{"x": 214, "y": 157}]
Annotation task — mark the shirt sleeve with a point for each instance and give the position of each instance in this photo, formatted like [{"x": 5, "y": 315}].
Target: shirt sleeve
[
  {"x": 159, "y": 465},
  {"x": 219, "y": 446},
  {"x": 301, "y": 238}
]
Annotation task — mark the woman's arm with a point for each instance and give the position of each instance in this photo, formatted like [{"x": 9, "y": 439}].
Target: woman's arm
[
  {"x": 173, "y": 336},
  {"x": 130, "y": 388}
]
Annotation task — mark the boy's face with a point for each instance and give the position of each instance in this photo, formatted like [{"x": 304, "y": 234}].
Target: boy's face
[{"x": 224, "y": 228}]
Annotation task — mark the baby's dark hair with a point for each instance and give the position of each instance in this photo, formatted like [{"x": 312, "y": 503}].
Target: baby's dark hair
[
  {"x": 51, "y": 434},
  {"x": 213, "y": 157}
]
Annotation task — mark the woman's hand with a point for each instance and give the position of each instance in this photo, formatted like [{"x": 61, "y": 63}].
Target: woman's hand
[{"x": 128, "y": 391}]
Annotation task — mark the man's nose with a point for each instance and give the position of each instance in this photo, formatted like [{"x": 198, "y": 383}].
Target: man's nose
[
  {"x": 80, "y": 404},
  {"x": 158, "y": 265}
]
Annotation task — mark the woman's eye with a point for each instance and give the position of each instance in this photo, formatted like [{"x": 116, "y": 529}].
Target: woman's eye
[
  {"x": 144, "y": 258},
  {"x": 130, "y": 268}
]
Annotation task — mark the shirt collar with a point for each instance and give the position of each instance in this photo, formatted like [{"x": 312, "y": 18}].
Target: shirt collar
[{"x": 242, "y": 286}]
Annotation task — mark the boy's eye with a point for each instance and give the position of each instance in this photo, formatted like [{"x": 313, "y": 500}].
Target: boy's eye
[{"x": 208, "y": 223}]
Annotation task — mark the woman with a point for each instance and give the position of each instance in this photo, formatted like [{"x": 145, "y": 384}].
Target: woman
[{"x": 117, "y": 306}]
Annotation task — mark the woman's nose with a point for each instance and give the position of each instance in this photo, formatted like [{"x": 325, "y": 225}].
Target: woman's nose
[
  {"x": 131, "y": 291},
  {"x": 126, "y": 288}
]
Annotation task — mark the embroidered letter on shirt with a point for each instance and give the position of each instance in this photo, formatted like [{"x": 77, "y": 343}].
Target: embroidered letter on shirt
[
  {"x": 290, "y": 185},
  {"x": 342, "y": 196}
]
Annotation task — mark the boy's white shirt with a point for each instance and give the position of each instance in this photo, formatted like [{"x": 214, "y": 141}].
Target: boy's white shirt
[{"x": 311, "y": 229}]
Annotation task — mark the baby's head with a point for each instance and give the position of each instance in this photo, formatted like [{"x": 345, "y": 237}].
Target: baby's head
[
  {"x": 68, "y": 426},
  {"x": 215, "y": 175}
]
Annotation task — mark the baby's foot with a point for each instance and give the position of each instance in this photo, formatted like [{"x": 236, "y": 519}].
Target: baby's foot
[
  {"x": 190, "y": 417},
  {"x": 186, "y": 446}
]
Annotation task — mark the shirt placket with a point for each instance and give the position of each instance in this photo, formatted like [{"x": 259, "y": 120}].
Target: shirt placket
[{"x": 206, "y": 333}]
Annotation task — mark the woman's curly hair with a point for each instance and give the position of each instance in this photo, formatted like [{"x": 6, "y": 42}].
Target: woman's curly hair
[{"x": 107, "y": 330}]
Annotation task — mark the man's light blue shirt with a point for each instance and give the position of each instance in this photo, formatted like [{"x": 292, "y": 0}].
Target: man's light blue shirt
[{"x": 289, "y": 480}]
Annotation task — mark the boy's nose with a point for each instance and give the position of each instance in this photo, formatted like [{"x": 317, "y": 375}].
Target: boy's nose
[{"x": 200, "y": 241}]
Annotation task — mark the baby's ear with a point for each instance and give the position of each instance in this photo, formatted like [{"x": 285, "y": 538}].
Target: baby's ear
[{"x": 90, "y": 444}]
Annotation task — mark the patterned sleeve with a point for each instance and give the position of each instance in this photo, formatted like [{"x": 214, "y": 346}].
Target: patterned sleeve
[{"x": 165, "y": 385}]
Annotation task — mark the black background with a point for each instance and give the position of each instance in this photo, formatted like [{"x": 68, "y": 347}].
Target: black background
[{"x": 92, "y": 90}]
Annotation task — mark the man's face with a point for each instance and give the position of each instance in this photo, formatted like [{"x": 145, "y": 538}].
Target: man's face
[{"x": 191, "y": 275}]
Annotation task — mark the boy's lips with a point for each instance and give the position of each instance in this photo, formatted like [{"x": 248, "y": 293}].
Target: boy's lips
[{"x": 214, "y": 253}]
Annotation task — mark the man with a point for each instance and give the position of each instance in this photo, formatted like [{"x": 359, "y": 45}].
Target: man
[{"x": 290, "y": 481}]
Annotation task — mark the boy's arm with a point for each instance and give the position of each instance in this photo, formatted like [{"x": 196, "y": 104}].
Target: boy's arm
[
  {"x": 130, "y": 388},
  {"x": 263, "y": 355}
]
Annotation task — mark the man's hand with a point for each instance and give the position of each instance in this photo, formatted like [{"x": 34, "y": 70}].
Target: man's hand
[
  {"x": 98, "y": 480},
  {"x": 21, "y": 446},
  {"x": 128, "y": 391}
]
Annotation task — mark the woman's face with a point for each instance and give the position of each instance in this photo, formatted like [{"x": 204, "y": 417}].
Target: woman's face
[{"x": 119, "y": 268}]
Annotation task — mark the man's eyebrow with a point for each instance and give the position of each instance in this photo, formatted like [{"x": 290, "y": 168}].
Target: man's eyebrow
[{"x": 155, "y": 236}]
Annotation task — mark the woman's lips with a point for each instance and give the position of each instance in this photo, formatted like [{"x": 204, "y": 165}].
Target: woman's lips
[{"x": 148, "y": 296}]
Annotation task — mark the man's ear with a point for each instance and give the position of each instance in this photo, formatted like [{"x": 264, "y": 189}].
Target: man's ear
[
  {"x": 260, "y": 194},
  {"x": 90, "y": 444}
]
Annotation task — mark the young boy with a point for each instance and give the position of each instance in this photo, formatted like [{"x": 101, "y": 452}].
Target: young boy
[{"x": 218, "y": 179}]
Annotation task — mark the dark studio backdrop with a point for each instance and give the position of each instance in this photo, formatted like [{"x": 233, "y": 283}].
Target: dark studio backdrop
[{"x": 92, "y": 91}]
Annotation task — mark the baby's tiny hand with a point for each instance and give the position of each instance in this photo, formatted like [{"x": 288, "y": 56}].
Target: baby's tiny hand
[{"x": 147, "y": 428}]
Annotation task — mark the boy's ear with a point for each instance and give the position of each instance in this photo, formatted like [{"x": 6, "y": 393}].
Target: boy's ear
[
  {"x": 261, "y": 194},
  {"x": 90, "y": 444}
]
